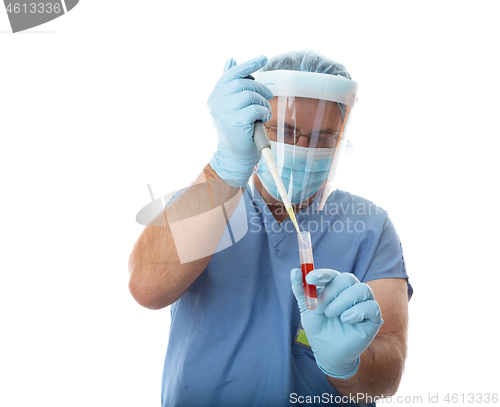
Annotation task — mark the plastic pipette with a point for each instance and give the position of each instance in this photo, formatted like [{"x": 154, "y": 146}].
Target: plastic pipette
[{"x": 263, "y": 144}]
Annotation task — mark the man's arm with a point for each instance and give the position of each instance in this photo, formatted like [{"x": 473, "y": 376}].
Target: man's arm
[
  {"x": 174, "y": 250},
  {"x": 381, "y": 364},
  {"x": 176, "y": 247}
]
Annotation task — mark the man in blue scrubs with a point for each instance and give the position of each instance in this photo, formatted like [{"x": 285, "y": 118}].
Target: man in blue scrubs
[{"x": 225, "y": 255}]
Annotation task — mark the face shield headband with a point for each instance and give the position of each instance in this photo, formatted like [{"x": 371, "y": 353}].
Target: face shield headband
[{"x": 307, "y": 131}]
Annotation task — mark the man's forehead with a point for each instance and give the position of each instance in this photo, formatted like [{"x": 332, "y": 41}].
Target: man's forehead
[{"x": 304, "y": 108}]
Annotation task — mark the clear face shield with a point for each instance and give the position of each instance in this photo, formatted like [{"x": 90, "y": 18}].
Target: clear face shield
[{"x": 307, "y": 132}]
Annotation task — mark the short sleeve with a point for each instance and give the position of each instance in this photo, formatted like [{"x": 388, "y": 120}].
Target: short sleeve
[{"x": 388, "y": 260}]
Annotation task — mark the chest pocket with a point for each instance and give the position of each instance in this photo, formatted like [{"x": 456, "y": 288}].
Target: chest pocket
[{"x": 213, "y": 302}]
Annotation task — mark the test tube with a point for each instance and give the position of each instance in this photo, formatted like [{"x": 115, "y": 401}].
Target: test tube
[{"x": 307, "y": 264}]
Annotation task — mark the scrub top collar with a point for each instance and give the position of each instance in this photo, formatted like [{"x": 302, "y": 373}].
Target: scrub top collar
[{"x": 286, "y": 227}]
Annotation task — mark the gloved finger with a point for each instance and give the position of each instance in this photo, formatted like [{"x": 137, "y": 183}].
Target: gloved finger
[
  {"x": 250, "y": 114},
  {"x": 332, "y": 289},
  {"x": 229, "y": 64},
  {"x": 321, "y": 277},
  {"x": 349, "y": 297},
  {"x": 239, "y": 85},
  {"x": 243, "y": 99},
  {"x": 367, "y": 310},
  {"x": 298, "y": 289},
  {"x": 242, "y": 70}
]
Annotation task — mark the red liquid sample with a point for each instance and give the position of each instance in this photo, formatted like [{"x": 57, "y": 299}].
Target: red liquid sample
[{"x": 309, "y": 290}]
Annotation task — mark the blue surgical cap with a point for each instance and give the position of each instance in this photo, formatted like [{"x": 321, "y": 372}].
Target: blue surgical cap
[{"x": 307, "y": 61}]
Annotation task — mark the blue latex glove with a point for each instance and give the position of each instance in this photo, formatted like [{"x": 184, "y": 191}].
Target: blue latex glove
[
  {"x": 235, "y": 104},
  {"x": 344, "y": 323}
]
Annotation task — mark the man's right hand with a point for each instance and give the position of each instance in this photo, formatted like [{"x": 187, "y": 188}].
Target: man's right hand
[{"x": 235, "y": 104}]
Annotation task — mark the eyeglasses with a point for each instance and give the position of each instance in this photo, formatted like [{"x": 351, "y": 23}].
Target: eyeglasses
[{"x": 292, "y": 136}]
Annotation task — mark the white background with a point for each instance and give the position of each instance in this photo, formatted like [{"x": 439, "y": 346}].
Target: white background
[{"x": 111, "y": 97}]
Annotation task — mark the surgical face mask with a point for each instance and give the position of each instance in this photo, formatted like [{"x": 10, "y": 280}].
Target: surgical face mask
[{"x": 303, "y": 170}]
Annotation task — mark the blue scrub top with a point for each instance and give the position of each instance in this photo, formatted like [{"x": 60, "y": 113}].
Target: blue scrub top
[{"x": 232, "y": 334}]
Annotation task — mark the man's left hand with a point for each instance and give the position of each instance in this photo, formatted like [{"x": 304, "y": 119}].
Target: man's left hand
[{"x": 345, "y": 322}]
